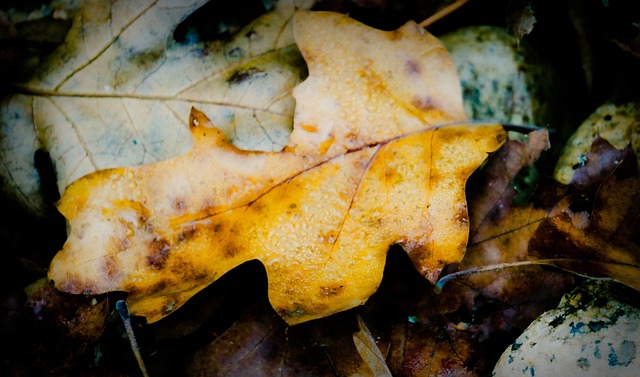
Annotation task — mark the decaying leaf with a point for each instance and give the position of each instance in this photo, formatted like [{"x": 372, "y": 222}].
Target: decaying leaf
[
  {"x": 521, "y": 18},
  {"x": 619, "y": 125},
  {"x": 401, "y": 330},
  {"x": 367, "y": 166},
  {"x": 426, "y": 343},
  {"x": 260, "y": 344},
  {"x": 58, "y": 331},
  {"x": 598, "y": 163},
  {"x": 599, "y": 243},
  {"x": 117, "y": 93},
  {"x": 369, "y": 351},
  {"x": 501, "y": 230},
  {"x": 493, "y": 196},
  {"x": 79, "y": 318},
  {"x": 415, "y": 331},
  {"x": 607, "y": 246}
]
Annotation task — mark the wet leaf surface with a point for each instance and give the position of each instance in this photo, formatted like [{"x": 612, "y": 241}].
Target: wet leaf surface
[
  {"x": 368, "y": 165},
  {"x": 527, "y": 231}
]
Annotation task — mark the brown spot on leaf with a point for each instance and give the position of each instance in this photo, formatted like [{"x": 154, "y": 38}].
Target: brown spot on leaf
[
  {"x": 243, "y": 75},
  {"x": 391, "y": 175},
  {"x": 188, "y": 233},
  {"x": 257, "y": 207},
  {"x": 134, "y": 61},
  {"x": 331, "y": 291},
  {"x": 200, "y": 275},
  {"x": 76, "y": 286},
  {"x": 179, "y": 205},
  {"x": 424, "y": 103},
  {"x": 184, "y": 270},
  {"x": 110, "y": 267},
  {"x": 160, "y": 285},
  {"x": 413, "y": 68},
  {"x": 441, "y": 137},
  {"x": 153, "y": 287},
  {"x": 461, "y": 216},
  {"x": 158, "y": 253},
  {"x": 125, "y": 243},
  {"x": 144, "y": 224},
  {"x": 231, "y": 250},
  {"x": 216, "y": 227},
  {"x": 235, "y": 53},
  {"x": 293, "y": 208}
]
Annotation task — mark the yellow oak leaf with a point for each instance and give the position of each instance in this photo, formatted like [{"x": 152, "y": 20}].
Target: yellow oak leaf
[{"x": 321, "y": 214}]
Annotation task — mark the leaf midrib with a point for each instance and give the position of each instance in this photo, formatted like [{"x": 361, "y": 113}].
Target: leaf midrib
[{"x": 36, "y": 92}]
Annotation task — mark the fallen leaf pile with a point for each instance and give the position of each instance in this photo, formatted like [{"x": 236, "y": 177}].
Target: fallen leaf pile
[
  {"x": 304, "y": 196},
  {"x": 463, "y": 329}
]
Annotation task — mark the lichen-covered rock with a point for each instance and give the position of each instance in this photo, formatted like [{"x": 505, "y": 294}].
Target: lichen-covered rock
[
  {"x": 593, "y": 332},
  {"x": 501, "y": 80}
]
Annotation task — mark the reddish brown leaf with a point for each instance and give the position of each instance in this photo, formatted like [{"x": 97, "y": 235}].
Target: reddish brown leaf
[
  {"x": 602, "y": 245},
  {"x": 261, "y": 344},
  {"x": 609, "y": 245},
  {"x": 58, "y": 332},
  {"x": 416, "y": 332},
  {"x": 498, "y": 300},
  {"x": 494, "y": 192},
  {"x": 77, "y": 317},
  {"x": 598, "y": 163}
]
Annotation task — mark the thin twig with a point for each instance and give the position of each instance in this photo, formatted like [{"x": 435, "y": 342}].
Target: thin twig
[
  {"x": 123, "y": 310},
  {"x": 443, "y": 12},
  {"x": 500, "y": 266}
]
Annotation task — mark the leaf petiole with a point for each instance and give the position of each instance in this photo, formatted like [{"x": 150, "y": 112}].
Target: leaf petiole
[
  {"x": 123, "y": 310},
  {"x": 499, "y": 266}
]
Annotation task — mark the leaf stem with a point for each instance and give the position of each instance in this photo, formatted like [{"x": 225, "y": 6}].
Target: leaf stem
[
  {"x": 442, "y": 13},
  {"x": 123, "y": 310},
  {"x": 554, "y": 262}
]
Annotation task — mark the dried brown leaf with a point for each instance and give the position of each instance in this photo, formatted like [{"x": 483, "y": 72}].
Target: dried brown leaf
[
  {"x": 494, "y": 192},
  {"x": 503, "y": 228},
  {"x": 520, "y": 18},
  {"x": 608, "y": 247},
  {"x": 260, "y": 344}
]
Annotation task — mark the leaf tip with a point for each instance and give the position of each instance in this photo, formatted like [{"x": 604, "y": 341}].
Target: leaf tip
[
  {"x": 198, "y": 119},
  {"x": 202, "y": 128}
]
